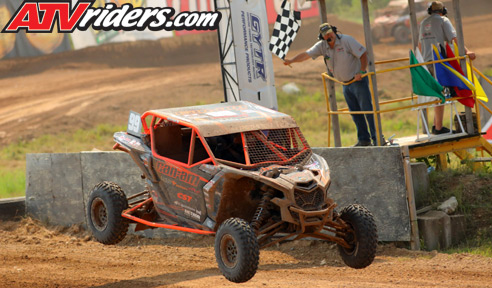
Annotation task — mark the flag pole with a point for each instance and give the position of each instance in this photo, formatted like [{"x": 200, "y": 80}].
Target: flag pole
[
  {"x": 372, "y": 68},
  {"x": 461, "y": 48},
  {"x": 331, "y": 88}
]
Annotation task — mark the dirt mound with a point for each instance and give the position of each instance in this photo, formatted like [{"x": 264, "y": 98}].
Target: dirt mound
[
  {"x": 31, "y": 232},
  {"x": 37, "y": 256}
]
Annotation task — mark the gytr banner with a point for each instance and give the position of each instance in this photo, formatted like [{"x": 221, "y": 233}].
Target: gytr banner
[{"x": 253, "y": 58}]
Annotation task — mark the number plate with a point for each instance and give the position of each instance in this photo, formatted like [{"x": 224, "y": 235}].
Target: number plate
[{"x": 134, "y": 124}]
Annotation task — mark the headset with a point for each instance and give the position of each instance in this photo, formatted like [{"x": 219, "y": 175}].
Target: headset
[
  {"x": 444, "y": 11},
  {"x": 334, "y": 29}
]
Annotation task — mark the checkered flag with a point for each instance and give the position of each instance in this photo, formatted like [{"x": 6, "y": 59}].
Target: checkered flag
[{"x": 285, "y": 30}]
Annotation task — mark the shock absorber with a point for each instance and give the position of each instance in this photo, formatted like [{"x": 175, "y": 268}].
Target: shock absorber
[{"x": 261, "y": 211}]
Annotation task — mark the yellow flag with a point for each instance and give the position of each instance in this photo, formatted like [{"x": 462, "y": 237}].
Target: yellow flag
[{"x": 479, "y": 89}]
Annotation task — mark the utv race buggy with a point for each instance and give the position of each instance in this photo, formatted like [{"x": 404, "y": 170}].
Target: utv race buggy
[{"x": 237, "y": 170}]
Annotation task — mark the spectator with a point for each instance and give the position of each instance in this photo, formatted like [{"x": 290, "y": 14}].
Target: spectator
[
  {"x": 437, "y": 29},
  {"x": 346, "y": 59}
]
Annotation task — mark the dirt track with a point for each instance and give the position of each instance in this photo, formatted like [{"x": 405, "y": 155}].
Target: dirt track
[
  {"x": 34, "y": 256},
  {"x": 83, "y": 88},
  {"x": 80, "y": 89}
]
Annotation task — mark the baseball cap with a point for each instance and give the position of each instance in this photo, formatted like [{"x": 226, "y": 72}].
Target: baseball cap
[
  {"x": 324, "y": 29},
  {"x": 437, "y": 6}
]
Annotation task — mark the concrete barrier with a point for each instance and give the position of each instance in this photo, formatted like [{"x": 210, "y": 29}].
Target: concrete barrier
[
  {"x": 374, "y": 177},
  {"x": 57, "y": 185},
  {"x": 12, "y": 208},
  {"x": 421, "y": 183},
  {"x": 435, "y": 229}
]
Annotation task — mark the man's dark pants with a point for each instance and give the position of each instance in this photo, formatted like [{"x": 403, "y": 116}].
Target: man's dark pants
[{"x": 358, "y": 98}]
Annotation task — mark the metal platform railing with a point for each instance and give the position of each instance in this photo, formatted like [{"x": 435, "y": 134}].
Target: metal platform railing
[{"x": 375, "y": 111}]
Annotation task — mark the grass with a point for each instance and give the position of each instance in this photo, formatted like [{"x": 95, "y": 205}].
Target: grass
[
  {"x": 12, "y": 157},
  {"x": 474, "y": 194},
  {"x": 12, "y": 182},
  {"x": 309, "y": 110},
  {"x": 488, "y": 72},
  {"x": 351, "y": 10},
  {"x": 483, "y": 249},
  {"x": 99, "y": 137}
]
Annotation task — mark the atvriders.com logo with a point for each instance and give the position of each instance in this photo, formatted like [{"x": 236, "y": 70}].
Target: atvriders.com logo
[{"x": 41, "y": 16}]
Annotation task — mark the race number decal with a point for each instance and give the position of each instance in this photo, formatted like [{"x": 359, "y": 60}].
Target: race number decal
[{"x": 134, "y": 124}]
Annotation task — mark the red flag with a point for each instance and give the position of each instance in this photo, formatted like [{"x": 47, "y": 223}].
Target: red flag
[{"x": 470, "y": 102}]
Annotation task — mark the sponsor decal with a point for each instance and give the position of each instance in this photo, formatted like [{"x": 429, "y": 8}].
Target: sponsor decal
[
  {"x": 188, "y": 211},
  {"x": 41, "y": 16},
  {"x": 175, "y": 173},
  {"x": 253, "y": 46},
  {"x": 192, "y": 214},
  {"x": 257, "y": 47},
  {"x": 129, "y": 141},
  {"x": 185, "y": 197}
]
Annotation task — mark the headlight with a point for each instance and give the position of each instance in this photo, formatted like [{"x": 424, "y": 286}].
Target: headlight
[{"x": 319, "y": 163}]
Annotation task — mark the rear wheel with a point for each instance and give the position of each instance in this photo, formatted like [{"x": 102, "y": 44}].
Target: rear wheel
[
  {"x": 106, "y": 203},
  {"x": 236, "y": 250},
  {"x": 363, "y": 237}
]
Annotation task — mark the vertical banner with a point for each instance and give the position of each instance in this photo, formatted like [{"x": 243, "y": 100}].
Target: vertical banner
[{"x": 253, "y": 58}]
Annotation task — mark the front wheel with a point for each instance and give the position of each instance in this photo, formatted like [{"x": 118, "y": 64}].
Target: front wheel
[
  {"x": 237, "y": 250},
  {"x": 362, "y": 237},
  {"x": 104, "y": 207}
]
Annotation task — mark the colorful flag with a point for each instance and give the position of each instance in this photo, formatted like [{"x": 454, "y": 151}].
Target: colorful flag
[
  {"x": 480, "y": 93},
  {"x": 420, "y": 58},
  {"x": 479, "y": 89},
  {"x": 448, "y": 76},
  {"x": 470, "y": 102},
  {"x": 422, "y": 81}
]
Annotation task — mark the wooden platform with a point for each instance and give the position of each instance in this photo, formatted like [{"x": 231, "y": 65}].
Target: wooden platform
[
  {"x": 424, "y": 146},
  {"x": 426, "y": 139}
]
